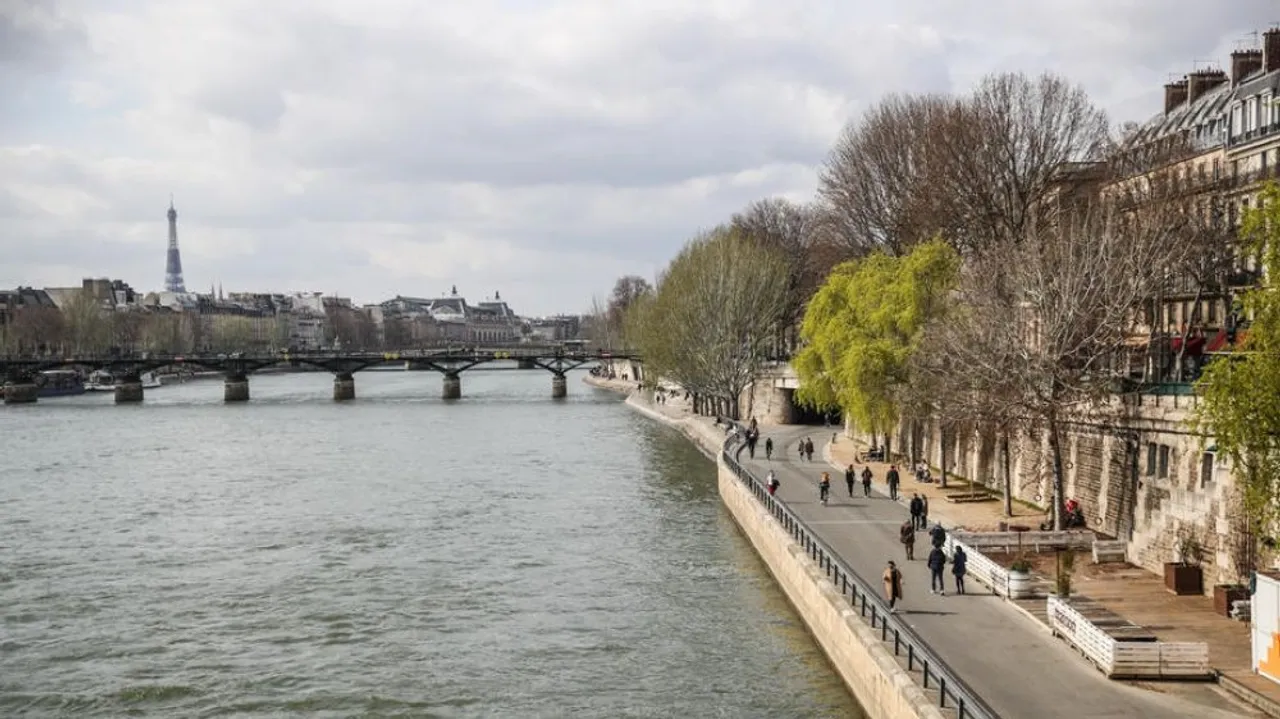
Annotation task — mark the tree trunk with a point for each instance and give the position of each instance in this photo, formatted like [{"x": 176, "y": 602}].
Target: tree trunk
[
  {"x": 942, "y": 441},
  {"x": 1186, "y": 332},
  {"x": 1059, "y": 481},
  {"x": 1007, "y": 484},
  {"x": 887, "y": 437}
]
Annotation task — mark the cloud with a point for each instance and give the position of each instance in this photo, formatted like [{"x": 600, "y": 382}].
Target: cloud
[{"x": 539, "y": 149}]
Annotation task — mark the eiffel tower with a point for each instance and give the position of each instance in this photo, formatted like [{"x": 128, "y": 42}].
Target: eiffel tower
[{"x": 173, "y": 263}]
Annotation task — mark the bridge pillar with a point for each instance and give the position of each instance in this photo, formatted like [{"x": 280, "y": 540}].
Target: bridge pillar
[
  {"x": 525, "y": 363},
  {"x": 235, "y": 388},
  {"x": 344, "y": 387},
  {"x": 22, "y": 392},
  {"x": 559, "y": 386},
  {"x": 128, "y": 390},
  {"x": 452, "y": 387}
]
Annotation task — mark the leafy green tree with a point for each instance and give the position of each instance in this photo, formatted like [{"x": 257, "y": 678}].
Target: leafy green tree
[
  {"x": 1240, "y": 394},
  {"x": 709, "y": 325},
  {"x": 863, "y": 326}
]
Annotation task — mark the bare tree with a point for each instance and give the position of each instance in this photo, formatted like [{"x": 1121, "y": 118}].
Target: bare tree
[
  {"x": 627, "y": 291},
  {"x": 35, "y": 329},
  {"x": 1043, "y": 347},
  {"x": 1002, "y": 148},
  {"x": 88, "y": 326},
  {"x": 783, "y": 226},
  {"x": 875, "y": 185}
]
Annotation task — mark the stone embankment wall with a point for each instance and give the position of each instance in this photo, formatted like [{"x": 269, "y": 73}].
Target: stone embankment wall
[{"x": 1146, "y": 480}]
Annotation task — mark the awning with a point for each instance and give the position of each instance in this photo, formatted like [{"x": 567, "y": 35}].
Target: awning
[{"x": 1195, "y": 345}]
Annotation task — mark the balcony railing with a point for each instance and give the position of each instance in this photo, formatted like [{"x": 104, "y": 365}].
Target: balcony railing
[{"x": 1257, "y": 133}]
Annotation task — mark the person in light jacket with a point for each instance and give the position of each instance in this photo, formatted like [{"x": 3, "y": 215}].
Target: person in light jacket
[{"x": 892, "y": 584}]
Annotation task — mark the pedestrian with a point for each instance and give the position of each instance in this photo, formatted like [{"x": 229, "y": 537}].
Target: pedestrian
[
  {"x": 849, "y": 476},
  {"x": 893, "y": 477},
  {"x": 892, "y": 480},
  {"x": 914, "y": 506},
  {"x": 892, "y": 585},
  {"x": 936, "y": 561},
  {"x": 768, "y": 448},
  {"x": 824, "y": 488},
  {"x": 924, "y": 511},
  {"x": 866, "y": 481},
  {"x": 937, "y": 535},
  {"x": 772, "y": 482},
  {"x": 907, "y": 535},
  {"x": 959, "y": 564},
  {"x": 808, "y": 448}
]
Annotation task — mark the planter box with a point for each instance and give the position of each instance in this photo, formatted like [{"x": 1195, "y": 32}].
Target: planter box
[
  {"x": 1225, "y": 594},
  {"x": 1183, "y": 578}
]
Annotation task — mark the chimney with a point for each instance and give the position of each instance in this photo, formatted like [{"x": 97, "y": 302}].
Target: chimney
[
  {"x": 1202, "y": 81},
  {"x": 1175, "y": 93},
  {"x": 1243, "y": 64},
  {"x": 1271, "y": 50}
]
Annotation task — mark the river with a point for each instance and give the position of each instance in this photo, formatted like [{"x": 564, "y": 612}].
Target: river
[{"x": 503, "y": 556}]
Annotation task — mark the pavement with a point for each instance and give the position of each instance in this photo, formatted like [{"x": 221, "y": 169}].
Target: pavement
[{"x": 1002, "y": 653}]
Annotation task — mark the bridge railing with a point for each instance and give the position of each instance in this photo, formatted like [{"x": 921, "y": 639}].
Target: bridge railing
[{"x": 952, "y": 692}]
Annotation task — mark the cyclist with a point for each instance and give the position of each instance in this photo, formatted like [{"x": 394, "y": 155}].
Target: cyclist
[
  {"x": 824, "y": 488},
  {"x": 768, "y": 448}
]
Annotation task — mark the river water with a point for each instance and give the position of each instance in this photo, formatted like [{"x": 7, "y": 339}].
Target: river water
[{"x": 396, "y": 556}]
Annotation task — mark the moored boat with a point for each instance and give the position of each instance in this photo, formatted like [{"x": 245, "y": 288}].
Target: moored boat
[
  {"x": 104, "y": 381},
  {"x": 59, "y": 383}
]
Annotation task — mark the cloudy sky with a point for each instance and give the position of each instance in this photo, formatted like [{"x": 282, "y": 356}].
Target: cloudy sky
[{"x": 540, "y": 148}]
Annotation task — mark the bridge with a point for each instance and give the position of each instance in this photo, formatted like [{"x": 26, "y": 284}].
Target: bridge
[{"x": 20, "y": 372}]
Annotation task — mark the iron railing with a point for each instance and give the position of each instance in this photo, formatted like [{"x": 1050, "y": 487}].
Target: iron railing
[{"x": 952, "y": 692}]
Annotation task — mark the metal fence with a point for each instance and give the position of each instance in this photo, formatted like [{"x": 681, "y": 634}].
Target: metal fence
[{"x": 952, "y": 692}]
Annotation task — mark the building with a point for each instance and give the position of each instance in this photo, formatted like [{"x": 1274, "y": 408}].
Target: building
[{"x": 421, "y": 322}]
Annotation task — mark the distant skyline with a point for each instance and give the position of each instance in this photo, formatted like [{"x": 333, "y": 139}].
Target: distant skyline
[{"x": 540, "y": 149}]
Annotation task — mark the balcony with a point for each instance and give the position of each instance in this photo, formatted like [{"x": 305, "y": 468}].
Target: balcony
[{"x": 1258, "y": 133}]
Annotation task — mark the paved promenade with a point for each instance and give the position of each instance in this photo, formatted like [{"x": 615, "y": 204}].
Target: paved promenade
[{"x": 1017, "y": 667}]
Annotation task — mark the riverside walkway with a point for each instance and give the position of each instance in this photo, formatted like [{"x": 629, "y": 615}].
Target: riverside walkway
[{"x": 1016, "y": 667}]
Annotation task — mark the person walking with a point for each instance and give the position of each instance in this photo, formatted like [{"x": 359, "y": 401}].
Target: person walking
[
  {"x": 849, "y": 476},
  {"x": 914, "y": 506},
  {"x": 907, "y": 535},
  {"x": 768, "y": 448},
  {"x": 892, "y": 585},
  {"x": 893, "y": 477},
  {"x": 924, "y": 511},
  {"x": 824, "y": 488},
  {"x": 772, "y": 483},
  {"x": 937, "y": 535},
  {"x": 959, "y": 565},
  {"x": 808, "y": 448},
  {"x": 892, "y": 480},
  {"x": 866, "y": 481},
  {"x": 936, "y": 561}
]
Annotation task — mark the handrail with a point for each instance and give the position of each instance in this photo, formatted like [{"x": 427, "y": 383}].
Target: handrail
[{"x": 953, "y": 693}]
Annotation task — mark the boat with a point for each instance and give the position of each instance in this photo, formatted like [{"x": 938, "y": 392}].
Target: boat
[
  {"x": 104, "y": 381},
  {"x": 59, "y": 383},
  {"x": 100, "y": 380}
]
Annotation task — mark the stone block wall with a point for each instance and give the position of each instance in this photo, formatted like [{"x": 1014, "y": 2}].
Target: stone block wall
[{"x": 1146, "y": 479}]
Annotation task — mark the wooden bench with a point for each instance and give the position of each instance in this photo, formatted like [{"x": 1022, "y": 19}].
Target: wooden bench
[{"x": 1110, "y": 551}]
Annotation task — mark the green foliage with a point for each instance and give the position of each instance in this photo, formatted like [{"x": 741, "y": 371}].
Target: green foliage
[
  {"x": 862, "y": 327},
  {"x": 1240, "y": 395},
  {"x": 708, "y": 324}
]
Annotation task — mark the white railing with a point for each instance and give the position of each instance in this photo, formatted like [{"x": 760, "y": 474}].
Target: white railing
[
  {"x": 1126, "y": 659},
  {"x": 1030, "y": 541}
]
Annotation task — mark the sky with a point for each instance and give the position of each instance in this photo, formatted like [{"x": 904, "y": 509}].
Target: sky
[{"x": 536, "y": 148}]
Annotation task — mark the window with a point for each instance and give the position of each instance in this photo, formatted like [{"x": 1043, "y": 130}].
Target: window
[
  {"x": 1211, "y": 309},
  {"x": 1162, "y": 470},
  {"x": 1151, "y": 459},
  {"x": 1217, "y": 168},
  {"x": 1206, "y": 469}
]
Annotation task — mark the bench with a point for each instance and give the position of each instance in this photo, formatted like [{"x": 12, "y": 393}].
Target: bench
[{"x": 1109, "y": 551}]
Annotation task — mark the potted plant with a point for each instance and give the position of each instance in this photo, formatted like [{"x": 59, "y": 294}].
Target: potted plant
[
  {"x": 1185, "y": 575},
  {"x": 1225, "y": 594},
  {"x": 1020, "y": 578}
]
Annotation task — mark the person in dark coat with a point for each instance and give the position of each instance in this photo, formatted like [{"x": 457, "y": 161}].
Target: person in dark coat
[
  {"x": 936, "y": 561},
  {"x": 849, "y": 475},
  {"x": 937, "y": 536},
  {"x": 915, "y": 511},
  {"x": 959, "y": 565},
  {"x": 907, "y": 535}
]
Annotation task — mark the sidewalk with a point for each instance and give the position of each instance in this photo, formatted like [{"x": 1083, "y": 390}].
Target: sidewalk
[{"x": 1132, "y": 592}]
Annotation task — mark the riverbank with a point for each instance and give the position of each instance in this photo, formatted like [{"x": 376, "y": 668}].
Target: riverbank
[{"x": 884, "y": 688}]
